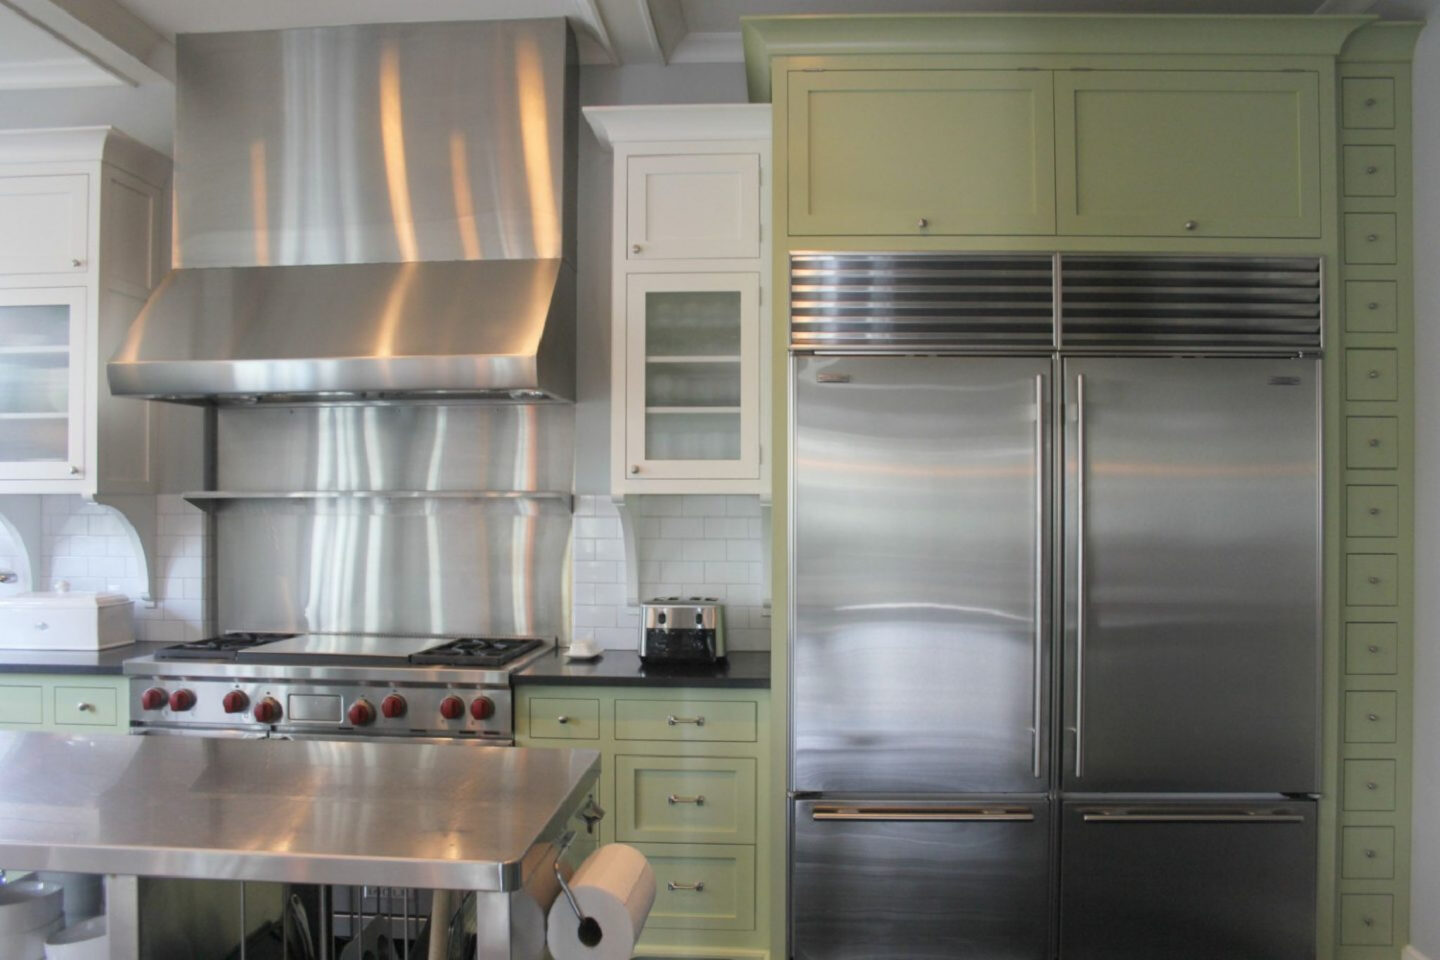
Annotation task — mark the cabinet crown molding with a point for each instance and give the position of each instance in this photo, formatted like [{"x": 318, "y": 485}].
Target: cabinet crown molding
[
  {"x": 85, "y": 144},
  {"x": 680, "y": 122},
  {"x": 1020, "y": 33}
]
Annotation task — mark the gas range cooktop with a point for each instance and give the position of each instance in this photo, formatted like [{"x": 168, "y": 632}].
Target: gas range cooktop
[{"x": 282, "y": 649}]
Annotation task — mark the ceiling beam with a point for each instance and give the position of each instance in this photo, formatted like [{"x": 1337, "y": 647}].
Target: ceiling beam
[
  {"x": 587, "y": 13},
  {"x": 107, "y": 34}
]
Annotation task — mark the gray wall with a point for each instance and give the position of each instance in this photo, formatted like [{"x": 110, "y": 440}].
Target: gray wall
[{"x": 1425, "y": 894}]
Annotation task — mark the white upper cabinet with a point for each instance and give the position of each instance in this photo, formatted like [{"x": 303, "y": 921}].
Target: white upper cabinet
[
  {"x": 690, "y": 344},
  {"x": 82, "y": 243}
]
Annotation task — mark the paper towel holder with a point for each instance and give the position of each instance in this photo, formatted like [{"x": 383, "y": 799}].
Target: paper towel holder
[{"x": 589, "y": 932}]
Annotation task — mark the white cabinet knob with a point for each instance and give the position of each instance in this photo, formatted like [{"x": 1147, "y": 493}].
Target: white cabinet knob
[
  {"x": 636, "y": 248},
  {"x": 1191, "y": 224},
  {"x": 42, "y": 625},
  {"x": 634, "y": 468},
  {"x": 74, "y": 470},
  {"x": 77, "y": 263}
]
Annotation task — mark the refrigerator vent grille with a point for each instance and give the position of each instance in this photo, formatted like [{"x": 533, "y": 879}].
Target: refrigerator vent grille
[
  {"x": 1241, "y": 303},
  {"x": 905, "y": 302}
]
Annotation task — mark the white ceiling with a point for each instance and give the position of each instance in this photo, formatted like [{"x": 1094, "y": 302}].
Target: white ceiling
[{"x": 132, "y": 38}]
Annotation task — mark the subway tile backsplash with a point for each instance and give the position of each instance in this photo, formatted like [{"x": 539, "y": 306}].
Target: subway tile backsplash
[
  {"x": 86, "y": 545},
  {"x": 684, "y": 545}
]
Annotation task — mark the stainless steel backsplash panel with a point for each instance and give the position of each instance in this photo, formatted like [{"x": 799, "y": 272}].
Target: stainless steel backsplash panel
[
  {"x": 526, "y": 447},
  {"x": 367, "y": 565}
]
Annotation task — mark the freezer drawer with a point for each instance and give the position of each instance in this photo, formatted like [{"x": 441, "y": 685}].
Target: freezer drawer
[
  {"x": 921, "y": 575},
  {"x": 920, "y": 880},
  {"x": 1188, "y": 881},
  {"x": 1192, "y": 569}
]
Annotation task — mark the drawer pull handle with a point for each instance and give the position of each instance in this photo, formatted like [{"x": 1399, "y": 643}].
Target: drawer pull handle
[
  {"x": 1372, "y": 170},
  {"x": 82, "y": 706},
  {"x": 698, "y": 799},
  {"x": 1373, "y": 648},
  {"x": 1372, "y": 305},
  {"x": 562, "y": 719},
  {"x": 1373, "y": 580},
  {"x": 672, "y": 885},
  {"x": 1373, "y": 717},
  {"x": 672, "y": 720},
  {"x": 1369, "y": 854},
  {"x": 1372, "y": 374},
  {"x": 1371, "y": 785},
  {"x": 1372, "y": 237},
  {"x": 1374, "y": 511},
  {"x": 1374, "y": 441}
]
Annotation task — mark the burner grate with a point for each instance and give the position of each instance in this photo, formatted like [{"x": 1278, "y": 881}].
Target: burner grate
[
  {"x": 477, "y": 651},
  {"x": 223, "y": 647}
]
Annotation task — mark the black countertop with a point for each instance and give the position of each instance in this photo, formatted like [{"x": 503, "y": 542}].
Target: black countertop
[
  {"x": 69, "y": 661},
  {"x": 622, "y": 668}
]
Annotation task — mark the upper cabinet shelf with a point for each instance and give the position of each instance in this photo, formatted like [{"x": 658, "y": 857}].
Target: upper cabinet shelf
[{"x": 689, "y": 365}]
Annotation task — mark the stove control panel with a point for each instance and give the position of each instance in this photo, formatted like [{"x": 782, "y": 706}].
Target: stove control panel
[{"x": 377, "y": 709}]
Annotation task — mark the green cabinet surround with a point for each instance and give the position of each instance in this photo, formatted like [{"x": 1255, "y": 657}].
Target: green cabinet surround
[{"x": 1264, "y": 135}]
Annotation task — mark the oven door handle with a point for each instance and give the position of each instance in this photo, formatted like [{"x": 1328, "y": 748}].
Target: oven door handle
[{"x": 924, "y": 814}]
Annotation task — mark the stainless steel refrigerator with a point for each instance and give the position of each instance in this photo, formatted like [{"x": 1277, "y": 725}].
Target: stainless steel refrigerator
[{"x": 1056, "y": 612}]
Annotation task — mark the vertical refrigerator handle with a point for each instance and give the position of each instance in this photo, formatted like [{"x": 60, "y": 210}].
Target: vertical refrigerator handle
[
  {"x": 1038, "y": 679},
  {"x": 1079, "y": 575}
]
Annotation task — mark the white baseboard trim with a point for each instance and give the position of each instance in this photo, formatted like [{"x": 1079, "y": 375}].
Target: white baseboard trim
[{"x": 1410, "y": 953}]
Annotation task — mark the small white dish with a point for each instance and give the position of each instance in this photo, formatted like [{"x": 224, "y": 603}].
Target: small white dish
[{"x": 578, "y": 651}]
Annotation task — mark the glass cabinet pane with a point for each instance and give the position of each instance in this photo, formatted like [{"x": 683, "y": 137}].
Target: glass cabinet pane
[
  {"x": 37, "y": 332},
  {"x": 692, "y": 323}
]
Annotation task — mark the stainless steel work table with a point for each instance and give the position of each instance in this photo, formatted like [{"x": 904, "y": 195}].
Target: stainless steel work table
[{"x": 433, "y": 816}]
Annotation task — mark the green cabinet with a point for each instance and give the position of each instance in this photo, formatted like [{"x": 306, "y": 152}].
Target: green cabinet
[
  {"x": 71, "y": 703},
  {"x": 685, "y": 775},
  {"x": 1188, "y": 153},
  {"x": 921, "y": 152}
]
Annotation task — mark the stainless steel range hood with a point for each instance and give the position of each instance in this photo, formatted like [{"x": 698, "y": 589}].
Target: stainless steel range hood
[{"x": 369, "y": 212}]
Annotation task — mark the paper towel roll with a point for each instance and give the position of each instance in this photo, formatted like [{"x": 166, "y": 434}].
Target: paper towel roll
[{"x": 616, "y": 888}]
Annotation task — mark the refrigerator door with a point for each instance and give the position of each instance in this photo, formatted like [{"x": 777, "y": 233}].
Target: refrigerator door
[
  {"x": 1188, "y": 881},
  {"x": 920, "y": 880},
  {"x": 919, "y": 550},
  {"x": 1192, "y": 610}
]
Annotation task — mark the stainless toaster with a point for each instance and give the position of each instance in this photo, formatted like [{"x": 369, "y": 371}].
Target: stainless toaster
[{"x": 682, "y": 630}]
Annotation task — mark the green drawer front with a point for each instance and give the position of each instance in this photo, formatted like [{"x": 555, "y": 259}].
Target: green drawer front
[
  {"x": 714, "y": 720},
  {"x": 1370, "y": 716},
  {"x": 1369, "y": 238},
  {"x": 565, "y": 719},
  {"x": 1369, "y": 785},
  {"x": 724, "y": 875},
  {"x": 1367, "y": 853},
  {"x": 1370, "y": 171},
  {"x": 1368, "y": 103},
  {"x": 22, "y": 704},
  {"x": 1370, "y": 375},
  {"x": 85, "y": 707},
  {"x": 1370, "y": 443},
  {"x": 1370, "y": 306},
  {"x": 1370, "y": 648},
  {"x": 1366, "y": 919},
  {"x": 685, "y": 799},
  {"x": 1371, "y": 579},
  {"x": 1372, "y": 510}
]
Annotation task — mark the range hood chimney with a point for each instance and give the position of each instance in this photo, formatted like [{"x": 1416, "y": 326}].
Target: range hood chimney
[{"x": 368, "y": 212}]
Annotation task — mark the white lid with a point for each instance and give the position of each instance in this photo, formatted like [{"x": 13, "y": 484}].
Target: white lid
[{"x": 66, "y": 599}]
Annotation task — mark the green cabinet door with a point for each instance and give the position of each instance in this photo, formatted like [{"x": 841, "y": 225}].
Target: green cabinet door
[
  {"x": 921, "y": 152},
  {"x": 1188, "y": 153}
]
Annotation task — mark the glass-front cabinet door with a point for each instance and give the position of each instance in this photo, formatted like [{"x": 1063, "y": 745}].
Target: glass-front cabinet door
[
  {"x": 42, "y": 384},
  {"x": 692, "y": 376}
]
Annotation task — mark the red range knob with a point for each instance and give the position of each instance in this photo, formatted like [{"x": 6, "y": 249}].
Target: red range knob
[
  {"x": 393, "y": 706},
  {"x": 235, "y": 702},
  {"x": 268, "y": 711},
  {"x": 182, "y": 700},
  {"x": 361, "y": 713},
  {"x": 153, "y": 699},
  {"x": 451, "y": 708},
  {"x": 482, "y": 708}
]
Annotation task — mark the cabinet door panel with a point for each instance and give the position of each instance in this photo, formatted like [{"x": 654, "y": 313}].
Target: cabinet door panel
[
  {"x": 693, "y": 207},
  {"x": 921, "y": 152},
  {"x": 54, "y": 238},
  {"x": 1224, "y": 154},
  {"x": 42, "y": 383}
]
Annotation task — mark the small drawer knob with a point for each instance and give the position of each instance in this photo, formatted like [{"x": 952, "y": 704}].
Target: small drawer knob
[
  {"x": 42, "y": 625},
  {"x": 1373, "y": 717},
  {"x": 1191, "y": 224},
  {"x": 562, "y": 719},
  {"x": 77, "y": 262},
  {"x": 83, "y": 707},
  {"x": 922, "y": 223},
  {"x": 1369, "y": 854},
  {"x": 74, "y": 470},
  {"x": 1373, "y": 374},
  {"x": 1368, "y": 921},
  {"x": 1371, "y": 785},
  {"x": 636, "y": 248},
  {"x": 634, "y": 468},
  {"x": 1370, "y": 101},
  {"x": 1373, "y": 580},
  {"x": 1374, "y": 441},
  {"x": 1372, "y": 170},
  {"x": 1373, "y": 648},
  {"x": 1372, "y": 305},
  {"x": 1371, "y": 237},
  {"x": 1373, "y": 511}
]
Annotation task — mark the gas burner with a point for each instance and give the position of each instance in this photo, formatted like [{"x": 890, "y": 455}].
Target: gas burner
[
  {"x": 223, "y": 647},
  {"x": 477, "y": 651}
]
